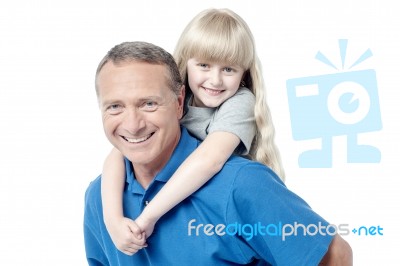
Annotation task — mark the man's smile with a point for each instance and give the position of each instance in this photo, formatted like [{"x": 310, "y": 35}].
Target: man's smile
[{"x": 137, "y": 140}]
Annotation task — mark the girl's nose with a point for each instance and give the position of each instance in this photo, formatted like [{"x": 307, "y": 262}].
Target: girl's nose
[{"x": 215, "y": 78}]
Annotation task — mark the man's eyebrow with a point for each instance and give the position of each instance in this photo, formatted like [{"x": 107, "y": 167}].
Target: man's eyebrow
[
  {"x": 109, "y": 101},
  {"x": 152, "y": 98},
  {"x": 137, "y": 101}
]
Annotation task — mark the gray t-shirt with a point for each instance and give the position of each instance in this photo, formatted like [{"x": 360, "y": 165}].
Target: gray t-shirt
[{"x": 235, "y": 115}]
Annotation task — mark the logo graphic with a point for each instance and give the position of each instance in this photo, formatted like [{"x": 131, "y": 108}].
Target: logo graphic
[
  {"x": 284, "y": 231},
  {"x": 325, "y": 106}
]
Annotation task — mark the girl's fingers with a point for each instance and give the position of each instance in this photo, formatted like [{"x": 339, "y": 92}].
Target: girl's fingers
[{"x": 132, "y": 249}]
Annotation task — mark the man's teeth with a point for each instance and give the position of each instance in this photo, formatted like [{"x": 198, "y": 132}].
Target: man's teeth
[{"x": 138, "y": 140}]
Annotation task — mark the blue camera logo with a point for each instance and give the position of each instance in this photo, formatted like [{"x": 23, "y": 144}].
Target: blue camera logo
[{"x": 325, "y": 106}]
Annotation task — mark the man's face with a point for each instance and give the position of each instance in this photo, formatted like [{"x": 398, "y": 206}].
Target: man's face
[{"x": 140, "y": 112}]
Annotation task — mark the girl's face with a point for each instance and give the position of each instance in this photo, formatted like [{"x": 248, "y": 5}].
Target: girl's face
[{"x": 212, "y": 83}]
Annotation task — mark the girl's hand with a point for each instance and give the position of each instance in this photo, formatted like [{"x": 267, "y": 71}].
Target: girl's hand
[
  {"x": 147, "y": 225},
  {"x": 126, "y": 235}
]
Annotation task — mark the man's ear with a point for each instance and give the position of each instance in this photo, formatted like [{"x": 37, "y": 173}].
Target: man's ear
[{"x": 181, "y": 101}]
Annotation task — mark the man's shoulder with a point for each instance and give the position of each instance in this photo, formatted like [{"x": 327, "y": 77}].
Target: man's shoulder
[
  {"x": 240, "y": 167},
  {"x": 241, "y": 180},
  {"x": 93, "y": 191},
  {"x": 237, "y": 161}
]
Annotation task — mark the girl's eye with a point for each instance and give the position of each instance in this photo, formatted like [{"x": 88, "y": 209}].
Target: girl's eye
[
  {"x": 203, "y": 65},
  {"x": 229, "y": 69}
]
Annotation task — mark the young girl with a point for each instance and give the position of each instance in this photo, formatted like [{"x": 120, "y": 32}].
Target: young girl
[{"x": 225, "y": 107}]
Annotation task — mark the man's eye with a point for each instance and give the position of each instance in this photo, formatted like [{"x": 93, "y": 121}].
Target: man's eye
[
  {"x": 150, "y": 106},
  {"x": 114, "y": 108}
]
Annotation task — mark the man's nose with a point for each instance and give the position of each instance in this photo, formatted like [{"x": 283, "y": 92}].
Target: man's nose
[{"x": 134, "y": 121}]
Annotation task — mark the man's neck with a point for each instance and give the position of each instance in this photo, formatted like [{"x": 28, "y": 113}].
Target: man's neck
[
  {"x": 145, "y": 173},
  {"x": 144, "y": 176}
]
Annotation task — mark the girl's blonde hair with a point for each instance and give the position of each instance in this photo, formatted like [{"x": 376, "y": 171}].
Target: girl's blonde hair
[{"x": 220, "y": 35}]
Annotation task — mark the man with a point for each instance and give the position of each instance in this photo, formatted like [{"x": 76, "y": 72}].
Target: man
[{"x": 243, "y": 216}]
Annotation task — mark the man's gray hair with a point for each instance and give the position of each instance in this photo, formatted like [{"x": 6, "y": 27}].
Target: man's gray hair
[{"x": 143, "y": 52}]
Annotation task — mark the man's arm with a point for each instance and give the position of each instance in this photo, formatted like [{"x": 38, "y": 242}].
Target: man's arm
[
  {"x": 93, "y": 235},
  {"x": 95, "y": 253},
  {"x": 338, "y": 254}
]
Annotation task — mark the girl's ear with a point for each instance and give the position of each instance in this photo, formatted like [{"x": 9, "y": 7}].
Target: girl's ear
[{"x": 245, "y": 79}]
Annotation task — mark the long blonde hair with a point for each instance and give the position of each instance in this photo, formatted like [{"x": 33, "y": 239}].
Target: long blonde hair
[{"x": 220, "y": 35}]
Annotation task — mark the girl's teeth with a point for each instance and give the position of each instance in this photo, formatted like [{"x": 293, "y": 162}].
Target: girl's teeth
[{"x": 214, "y": 92}]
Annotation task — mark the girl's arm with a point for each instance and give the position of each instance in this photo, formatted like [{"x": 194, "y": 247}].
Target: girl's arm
[
  {"x": 124, "y": 232},
  {"x": 194, "y": 172}
]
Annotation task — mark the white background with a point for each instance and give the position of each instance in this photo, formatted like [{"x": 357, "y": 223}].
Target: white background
[{"x": 51, "y": 138}]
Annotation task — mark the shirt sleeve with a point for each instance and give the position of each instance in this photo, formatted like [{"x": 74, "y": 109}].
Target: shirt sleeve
[
  {"x": 95, "y": 252},
  {"x": 276, "y": 225},
  {"x": 236, "y": 115}
]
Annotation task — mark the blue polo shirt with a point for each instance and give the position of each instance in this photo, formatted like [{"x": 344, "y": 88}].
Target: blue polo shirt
[{"x": 243, "y": 216}]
